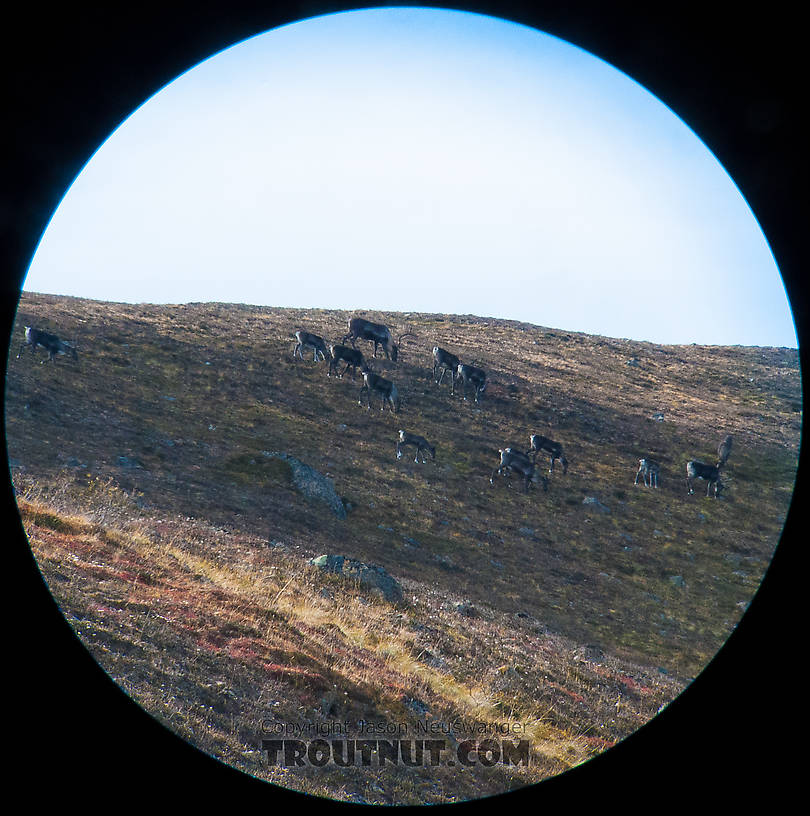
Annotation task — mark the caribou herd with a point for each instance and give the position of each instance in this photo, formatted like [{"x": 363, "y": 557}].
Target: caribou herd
[
  {"x": 513, "y": 462},
  {"x": 473, "y": 379}
]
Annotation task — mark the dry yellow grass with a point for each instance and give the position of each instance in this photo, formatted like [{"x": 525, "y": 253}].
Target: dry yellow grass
[{"x": 325, "y": 644}]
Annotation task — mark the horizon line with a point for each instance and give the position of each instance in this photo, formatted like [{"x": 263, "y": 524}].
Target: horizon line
[{"x": 449, "y": 315}]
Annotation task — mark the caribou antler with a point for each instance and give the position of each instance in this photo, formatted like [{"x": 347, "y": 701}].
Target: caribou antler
[{"x": 407, "y": 333}]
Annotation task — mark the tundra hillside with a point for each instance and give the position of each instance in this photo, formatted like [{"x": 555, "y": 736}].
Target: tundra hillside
[{"x": 152, "y": 482}]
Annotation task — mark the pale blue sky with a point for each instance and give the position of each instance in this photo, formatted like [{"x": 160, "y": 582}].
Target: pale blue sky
[{"x": 419, "y": 160}]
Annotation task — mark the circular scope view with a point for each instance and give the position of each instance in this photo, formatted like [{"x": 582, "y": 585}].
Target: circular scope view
[{"x": 403, "y": 406}]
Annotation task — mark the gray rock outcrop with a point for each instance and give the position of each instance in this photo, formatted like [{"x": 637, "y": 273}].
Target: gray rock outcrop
[
  {"x": 310, "y": 483},
  {"x": 369, "y": 575}
]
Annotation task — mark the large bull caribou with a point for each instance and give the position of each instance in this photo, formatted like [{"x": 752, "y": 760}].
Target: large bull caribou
[{"x": 362, "y": 329}]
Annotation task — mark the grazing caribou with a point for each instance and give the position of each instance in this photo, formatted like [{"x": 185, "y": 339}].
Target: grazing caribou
[
  {"x": 352, "y": 357},
  {"x": 307, "y": 340},
  {"x": 419, "y": 442},
  {"x": 362, "y": 329},
  {"x": 649, "y": 470},
  {"x": 385, "y": 388},
  {"x": 724, "y": 451},
  {"x": 476, "y": 376},
  {"x": 539, "y": 444},
  {"x": 50, "y": 342},
  {"x": 699, "y": 470},
  {"x": 445, "y": 361},
  {"x": 514, "y": 461}
]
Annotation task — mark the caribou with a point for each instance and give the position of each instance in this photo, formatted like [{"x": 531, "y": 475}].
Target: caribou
[
  {"x": 514, "y": 461},
  {"x": 476, "y": 376},
  {"x": 538, "y": 444},
  {"x": 352, "y": 357},
  {"x": 700, "y": 470},
  {"x": 648, "y": 470},
  {"x": 50, "y": 342},
  {"x": 385, "y": 388},
  {"x": 362, "y": 329},
  {"x": 419, "y": 442},
  {"x": 445, "y": 361},
  {"x": 306, "y": 340}
]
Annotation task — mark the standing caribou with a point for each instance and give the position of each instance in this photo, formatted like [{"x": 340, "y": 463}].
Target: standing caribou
[
  {"x": 445, "y": 361},
  {"x": 711, "y": 474},
  {"x": 649, "y": 470},
  {"x": 362, "y": 329},
  {"x": 352, "y": 357},
  {"x": 700, "y": 470},
  {"x": 306, "y": 340},
  {"x": 513, "y": 461},
  {"x": 419, "y": 442},
  {"x": 50, "y": 342},
  {"x": 385, "y": 388},
  {"x": 538, "y": 444},
  {"x": 476, "y": 376}
]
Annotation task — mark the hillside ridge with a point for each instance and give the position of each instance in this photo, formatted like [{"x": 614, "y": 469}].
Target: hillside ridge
[{"x": 164, "y": 421}]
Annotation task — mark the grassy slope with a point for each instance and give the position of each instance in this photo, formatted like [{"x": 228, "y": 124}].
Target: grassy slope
[{"x": 175, "y": 404}]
